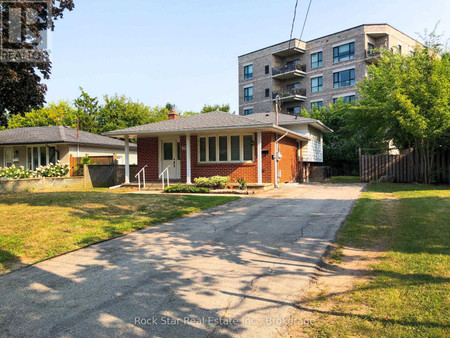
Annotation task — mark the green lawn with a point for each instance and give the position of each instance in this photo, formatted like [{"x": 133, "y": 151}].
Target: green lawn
[
  {"x": 344, "y": 179},
  {"x": 35, "y": 226},
  {"x": 408, "y": 291}
]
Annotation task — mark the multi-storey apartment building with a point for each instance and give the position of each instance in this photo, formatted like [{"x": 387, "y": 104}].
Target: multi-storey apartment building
[{"x": 313, "y": 73}]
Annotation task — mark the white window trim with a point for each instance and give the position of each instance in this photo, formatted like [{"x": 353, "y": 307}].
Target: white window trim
[
  {"x": 217, "y": 161},
  {"x": 4, "y": 155},
  {"x": 47, "y": 155},
  {"x": 248, "y": 86},
  {"x": 247, "y": 64}
]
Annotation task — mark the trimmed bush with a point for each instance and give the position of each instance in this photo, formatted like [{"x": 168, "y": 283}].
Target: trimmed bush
[
  {"x": 51, "y": 170},
  {"x": 186, "y": 189},
  {"x": 215, "y": 182}
]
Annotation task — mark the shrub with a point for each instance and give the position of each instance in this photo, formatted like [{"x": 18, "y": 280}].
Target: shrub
[
  {"x": 216, "y": 182},
  {"x": 242, "y": 183},
  {"x": 14, "y": 173},
  {"x": 186, "y": 189},
  {"x": 51, "y": 170},
  {"x": 80, "y": 166}
]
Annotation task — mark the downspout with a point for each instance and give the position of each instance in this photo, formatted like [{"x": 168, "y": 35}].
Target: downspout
[{"x": 278, "y": 158}]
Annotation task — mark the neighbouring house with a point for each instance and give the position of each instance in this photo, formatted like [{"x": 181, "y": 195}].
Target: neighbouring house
[
  {"x": 38, "y": 146},
  {"x": 225, "y": 144}
]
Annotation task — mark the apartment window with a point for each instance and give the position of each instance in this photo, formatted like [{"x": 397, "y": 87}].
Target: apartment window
[
  {"x": 316, "y": 84},
  {"x": 235, "y": 148},
  {"x": 370, "y": 47},
  {"x": 248, "y": 111},
  {"x": 248, "y": 94},
  {"x": 345, "y": 99},
  {"x": 267, "y": 70},
  {"x": 267, "y": 92},
  {"x": 294, "y": 110},
  {"x": 316, "y": 105},
  {"x": 344, "y": 78},
  {"x": 316, "y": 60},
  {"x": 400, "y": 49},
  {"x": 344, "y": 52},
  {"x": 293, "y": 86},
  {"x": 248, "y": 72}
]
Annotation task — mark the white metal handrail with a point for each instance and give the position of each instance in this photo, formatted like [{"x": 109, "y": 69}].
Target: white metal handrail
[
  {"x": 167, "y": 174},
  {"x": 138, "y": 175}
]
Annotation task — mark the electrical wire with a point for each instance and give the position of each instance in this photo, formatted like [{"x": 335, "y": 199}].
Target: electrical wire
[
  {"x": 293, "y": 22},
  {"x": 306, "y": 18}
]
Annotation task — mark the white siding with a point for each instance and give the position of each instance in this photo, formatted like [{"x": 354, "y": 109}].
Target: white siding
[
  {"x": 312, "y": 151},
  {"x": 98, "y": 151}
]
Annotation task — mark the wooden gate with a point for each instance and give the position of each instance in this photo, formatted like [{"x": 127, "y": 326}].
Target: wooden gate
[{"x": 100, "y": 160}]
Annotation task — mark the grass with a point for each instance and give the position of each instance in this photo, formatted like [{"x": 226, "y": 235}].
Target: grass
[
  {"x": 407, "y": 293},
  {"x": 344, "y": 179},
  {"x": 35, "y": 226}
]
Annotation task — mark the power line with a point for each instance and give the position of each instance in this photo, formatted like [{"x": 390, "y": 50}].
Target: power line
[
  {"x": 293, "y": 22},
  {"x": 306, "y": 18}
]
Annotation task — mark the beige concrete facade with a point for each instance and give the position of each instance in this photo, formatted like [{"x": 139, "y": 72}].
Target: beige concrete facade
[{"x": 283, "y": 54}]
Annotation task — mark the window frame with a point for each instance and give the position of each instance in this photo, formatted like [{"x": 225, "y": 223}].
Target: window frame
[
  {"x": 217, "y": 150},
  {"x": 319, "y": 84},
  {"x": 316, "y": 105},
  {"x": 267, "y": 92},
  {"x": 337, "y": 57},
  {"x": 351, "y": 79},
  {"x": 247, "y": 110},
  {"x": 248, "y": 75},
  {"x": 247, "y": 97},
  {"x": 30, "y": 164},
  {"x": 335, "y": 99},
  {"x": 319, "y": 62}
]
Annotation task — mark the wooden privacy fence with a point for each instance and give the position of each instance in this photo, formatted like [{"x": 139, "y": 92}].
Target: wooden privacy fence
[
  {"x": 100, "y": 160},
  {"x": 403, "y": 168}
]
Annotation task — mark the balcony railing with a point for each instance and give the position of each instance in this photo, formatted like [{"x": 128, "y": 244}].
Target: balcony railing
[
  {"x": 372, "y": 53},
  {"x": 290, "y": 92},
  {"x": 288, "y": 68}
]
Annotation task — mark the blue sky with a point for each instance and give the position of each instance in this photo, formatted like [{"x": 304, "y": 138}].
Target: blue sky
[{"x": 185, "y": 52}]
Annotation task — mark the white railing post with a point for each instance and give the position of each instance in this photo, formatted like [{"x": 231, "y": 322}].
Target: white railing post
[
  {"x": 139, "y": 182},
  {"x": 143, "y": 175}
]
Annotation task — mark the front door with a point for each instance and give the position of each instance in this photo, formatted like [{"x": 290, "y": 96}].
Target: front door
[{"x": 170, "y": 157}]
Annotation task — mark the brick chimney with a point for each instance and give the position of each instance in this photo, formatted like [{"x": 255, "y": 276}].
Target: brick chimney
[{"x": 173, "y": 115}]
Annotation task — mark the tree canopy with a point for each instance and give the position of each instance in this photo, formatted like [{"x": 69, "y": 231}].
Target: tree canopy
[{"x": 21, "y": 86}]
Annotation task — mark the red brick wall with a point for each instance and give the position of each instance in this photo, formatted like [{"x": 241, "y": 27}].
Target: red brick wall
[
  {"x": 148, "y": 155},
  {"x": 234, "y": 170},
  {"x": 289, "y": 161}
]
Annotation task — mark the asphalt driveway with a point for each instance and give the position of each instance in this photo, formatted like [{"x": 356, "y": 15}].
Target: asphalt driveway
[{"x": 232, "y": 270}]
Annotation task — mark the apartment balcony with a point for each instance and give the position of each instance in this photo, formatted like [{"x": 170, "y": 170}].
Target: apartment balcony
[
  {"x": 372, "y": 56},
  {"x": 288, "y": 95},
  {"x": 289, "y": 71}
]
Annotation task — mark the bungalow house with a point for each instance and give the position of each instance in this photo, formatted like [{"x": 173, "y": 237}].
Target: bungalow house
[
  {"x": 38, "y": 146},
  {"x": 255, "y": 147}
]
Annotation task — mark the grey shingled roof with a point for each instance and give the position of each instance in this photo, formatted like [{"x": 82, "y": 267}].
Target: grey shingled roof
[
  {"x": 213, "y": 120},
  {"x": 56, "y": 134}
]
